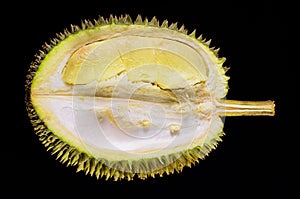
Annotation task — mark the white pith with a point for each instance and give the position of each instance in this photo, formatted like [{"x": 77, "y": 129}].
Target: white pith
[{"x": 75, "y": 114}]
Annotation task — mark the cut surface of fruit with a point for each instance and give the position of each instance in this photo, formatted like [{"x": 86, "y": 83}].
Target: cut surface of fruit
[{"x": 121, "y": 99}]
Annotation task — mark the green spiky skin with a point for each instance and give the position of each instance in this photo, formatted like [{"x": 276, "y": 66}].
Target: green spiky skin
[{"x": 102, "y": 168}]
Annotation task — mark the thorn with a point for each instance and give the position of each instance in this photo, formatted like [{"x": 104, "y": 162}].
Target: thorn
[
  {"x": 90, "y": 24},
  {"x": 96, "y": 22},
  {"x": 146, "y": 21},
  {"x": 222, "y": 60},
  {"x": 108, "y": 175},
  {"x": 42, "y": 53},
  {"x": 164, "y": 24},
  {"x": 102, "y": 21},
  {"x": 207, "y": 147},
  {"x": 121, "y": 19},
  {"x": 80, "y": 167},
  {"x": 217, "y": 51},
  {"x": 226, "y": 68},
  {"x": 74, "y": 28},
  {"x": 65, "y": 157},
  {"x": 138, "y": 20},
  {"x": 97, "y": 173},
  {"x": 53, "y": 42},
  {"x": 193, "y": 34},
  {"x": 56, "y": 40},
  {"x": 47, "y": 47},
  {"x": 173, "y": 26},
  {"x": 83, "y": 25},
  {"x": 60, "y": 36},
  {"x": 116, "y": 20},
  {"x": 112, "y": 19},
  {"x": 66, "y": 32},
  {"x": 86, "y": 22},
  {"x": 59, "y": 154},
  {"x": 75, "y": 160},
  {"x": 127, "y": 19},
  {"x": 200, "y": 38},
  {"x": 208, "y": 42},
  {"x": 182, "y": 29},
  {"x": 154, "y": 22}
]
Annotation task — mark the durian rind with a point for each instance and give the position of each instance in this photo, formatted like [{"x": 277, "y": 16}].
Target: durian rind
[{"x": 143, "y": 168}]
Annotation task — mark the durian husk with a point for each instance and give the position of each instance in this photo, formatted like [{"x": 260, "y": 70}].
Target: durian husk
[{"x": 102, "y": 168}]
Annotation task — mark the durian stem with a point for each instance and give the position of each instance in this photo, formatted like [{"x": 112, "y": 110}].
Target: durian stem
[{"x": 245, "y": 108}]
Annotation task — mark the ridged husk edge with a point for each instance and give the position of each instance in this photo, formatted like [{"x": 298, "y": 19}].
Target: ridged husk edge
[{"x": 102, "y": 168}]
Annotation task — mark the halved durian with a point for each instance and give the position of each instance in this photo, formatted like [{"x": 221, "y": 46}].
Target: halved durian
[{"x": 121, "y": 99}]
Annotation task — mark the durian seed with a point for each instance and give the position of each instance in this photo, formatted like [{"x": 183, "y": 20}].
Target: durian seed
[
  {"x": 174, "y": 128},
  {"x": 145, "y": 123}
]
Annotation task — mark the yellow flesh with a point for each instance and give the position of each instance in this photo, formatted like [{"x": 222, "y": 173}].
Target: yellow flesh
[{"x": 150, "y": 63}]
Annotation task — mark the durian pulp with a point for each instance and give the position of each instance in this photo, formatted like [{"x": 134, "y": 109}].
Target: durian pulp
[{"x": 130, "y": 92}]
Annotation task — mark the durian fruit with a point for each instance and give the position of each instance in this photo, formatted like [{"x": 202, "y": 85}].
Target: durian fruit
[{"x": 120, "y": 99}]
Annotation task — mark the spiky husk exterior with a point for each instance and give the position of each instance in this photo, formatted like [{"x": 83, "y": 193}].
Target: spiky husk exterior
[{"x": 102, "y": 168}]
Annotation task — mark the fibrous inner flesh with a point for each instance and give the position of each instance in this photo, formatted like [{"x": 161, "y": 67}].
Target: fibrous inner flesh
[{"x": 143, "y": 103}]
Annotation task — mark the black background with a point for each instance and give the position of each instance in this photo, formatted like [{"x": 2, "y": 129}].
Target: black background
[{"x": 256, "y": 157}]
